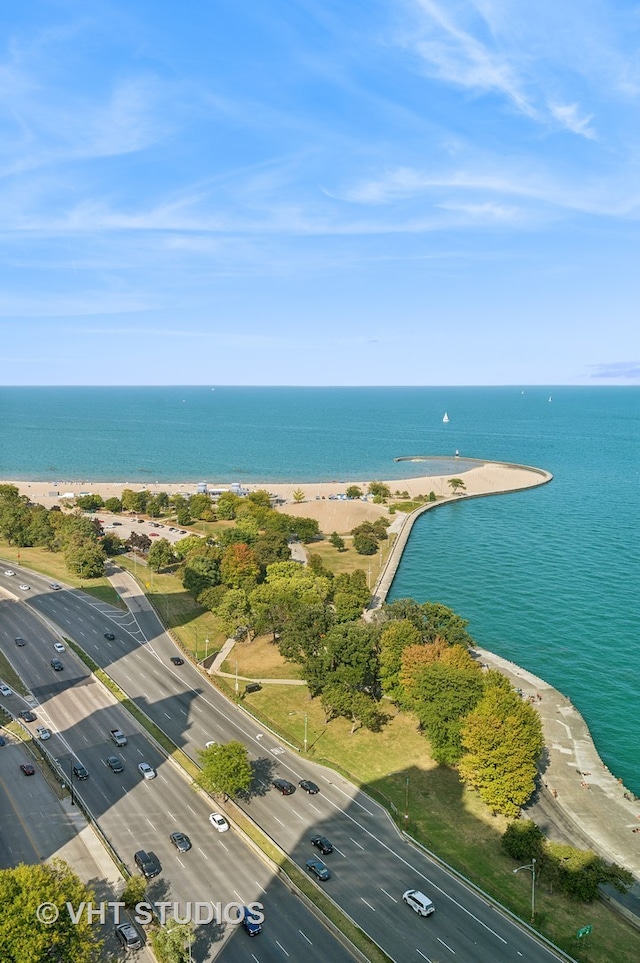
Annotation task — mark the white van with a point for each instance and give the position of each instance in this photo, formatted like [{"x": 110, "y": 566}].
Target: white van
[{"x": 418, "y": 902}]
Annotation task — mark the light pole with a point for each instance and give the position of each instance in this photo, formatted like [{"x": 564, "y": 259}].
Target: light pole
[
  {"x": 236, "y": 677},
  {"x": 206, "y": 649},
  {"x": 71, "y": 783},
  {"x": 305, "y": 732},
  {"x": 406, "y": 804},
  {"x": 532, "y": 869}
]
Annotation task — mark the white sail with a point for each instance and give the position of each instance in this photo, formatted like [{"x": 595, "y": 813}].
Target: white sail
[{"x": 446, "y": 418}]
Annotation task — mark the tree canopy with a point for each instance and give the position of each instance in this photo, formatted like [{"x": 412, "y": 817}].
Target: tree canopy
[{"x": 225, "y": 769}]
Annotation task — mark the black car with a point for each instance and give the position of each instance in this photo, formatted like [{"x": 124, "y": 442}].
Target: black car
[
  {"x": 284, "y": 786},
  {"x": 317, "y": 867},
  {"x": 115, "y": 763},
  {"x": 2, "y": 741},
  {"x": 27, "y": 715},
  {"x": 181, "y": 841},
  {"x": 148, "y": 864},
  {"x": 80, "y": 772},
  {"x": 322, "y": 843},
  {"x": 128, "y": 936},
  {"x": 308, "y": 786},
  {"x": 110, "y": 636},
  {"x": 57, "y": 665},
  {"x": 177, "y": 660},
  {"x": 19, "y": 641}
]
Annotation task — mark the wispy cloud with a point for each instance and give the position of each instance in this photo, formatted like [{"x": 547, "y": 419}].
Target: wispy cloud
[{"x": 629, "y": 370}]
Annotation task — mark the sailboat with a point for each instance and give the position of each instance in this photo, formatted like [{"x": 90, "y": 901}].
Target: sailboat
[{"x": 445, "y": 419}]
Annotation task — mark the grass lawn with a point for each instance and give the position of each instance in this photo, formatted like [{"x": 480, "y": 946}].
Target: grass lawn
[
  {"x": 261, "y": 659},
  {"x": 51, "y": 565},
  {"x": 349, "y": 560}
]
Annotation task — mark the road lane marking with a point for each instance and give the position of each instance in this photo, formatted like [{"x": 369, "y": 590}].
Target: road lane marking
[
  {"x": 203, "y": 853},
  {"x": 279, "y": 821},
  {"x": 149, "y": 821},
  {"x": 422, "y": 955},
  {"x": 319, "y": 811},
  {"x": 282, "y": 948},
  {"x": 389, "y": 895},
  {"x": 306, "y": 937},
  {"x": 357, "y": 843},
  {"x": 367, "y": 904},
  {"x": 336, "y": 850},
  {"x": 445, "y": 945}
]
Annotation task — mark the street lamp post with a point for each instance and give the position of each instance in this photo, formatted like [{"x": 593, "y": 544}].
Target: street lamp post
[
  {"x": 532, "y": 869},
  {"x": 406, "y": 804},
  {"x": 71, "y": 783},
  {"x": 236, "y": 677},
  {"x": 305, "y": 732}
]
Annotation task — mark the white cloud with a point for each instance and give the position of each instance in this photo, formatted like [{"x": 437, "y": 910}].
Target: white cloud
[{"x": 569, "y": 116}]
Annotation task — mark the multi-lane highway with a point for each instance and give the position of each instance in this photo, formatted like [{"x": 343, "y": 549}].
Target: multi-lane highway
[{"x": 371, "y": 864}]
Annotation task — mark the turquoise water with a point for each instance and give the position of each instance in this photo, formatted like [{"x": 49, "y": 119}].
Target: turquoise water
[{"x": 548, "y": 577}]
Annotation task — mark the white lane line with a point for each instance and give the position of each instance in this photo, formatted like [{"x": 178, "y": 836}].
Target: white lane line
[
  {"x": 367, "y": 904},
  {"x": 223, "y": 846},
  {"x": 282, "y": 948},
  {"x": 180, "y": 861},
  {"x": 172, "y": 816},
  {"x": 167, "y": 715},
  {"x": 389, "y": 895},
  {"x": 305, "y": 937},
  {"x": 192, "y": 809},
  {"x": 356, "y": 842},
  {"x": 445, "y": 945},
  {"x": 422, "y": 955},
  {"x": 336, "y": 850},
  {"x": 203, "y": 853},
  {"x": 150, "y": 823},
  {"x": 303, "y": 818},
  {"x": 279, "y": 821},
  {"x": 319, "y": 811}
]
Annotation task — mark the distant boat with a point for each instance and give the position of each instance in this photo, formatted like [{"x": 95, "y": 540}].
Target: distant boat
[
  {"x": 446, "y": 418},
  {"x": 550, "y": 398}
]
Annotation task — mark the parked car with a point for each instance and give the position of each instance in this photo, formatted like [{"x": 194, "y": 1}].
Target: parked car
[
  {"x": 146, "y": 770},
  {"x": 309, "y": 786},
  {"x": 27, "y": 768},
  {"x": 322, "y": 843},
  {"x": 318, "y": 868},
  {"x": 181, "y": 841},
  {"x": 218, "y": 822},
  {"x": 284, "y": 786},
  {"x": 115, "y": 763}
]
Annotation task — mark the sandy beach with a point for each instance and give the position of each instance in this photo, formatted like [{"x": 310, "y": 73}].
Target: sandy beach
[{"x": 488, "y": 478}]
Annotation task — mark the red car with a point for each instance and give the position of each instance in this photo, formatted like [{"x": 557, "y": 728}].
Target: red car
[
  {"x": 28, "y": 769},
  {"x": 153, "y": 535}
]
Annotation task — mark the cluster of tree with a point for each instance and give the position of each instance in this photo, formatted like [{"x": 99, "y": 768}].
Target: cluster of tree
[
  {"x": 473, "y": 719},
  {"x": 577, "y": 872},
  {"x": 380, "y": 491},
  {"x": 367, "y": 536},
  {"x": 23, "y": 937},
  {"x": 27, "y": 525}
]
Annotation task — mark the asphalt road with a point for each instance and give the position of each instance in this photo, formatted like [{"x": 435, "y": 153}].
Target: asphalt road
[
  {"x": 135, "y": 813},
  {"x": 371, "y": 865}
]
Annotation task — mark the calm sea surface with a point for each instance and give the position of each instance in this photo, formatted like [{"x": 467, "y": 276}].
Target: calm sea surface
[{"x": 548, "y": 578}]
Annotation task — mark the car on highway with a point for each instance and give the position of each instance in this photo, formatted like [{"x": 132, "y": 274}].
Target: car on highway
[
  {"x": 19, "y": 641},
  {"x": 148, "y": 864},
  {"x": 176, "y": 660},
  {"x": 43, "y": 733},
  {"x": 284, "y": 786},
  {"x": 110, "y": 636},
  {"x": 59, "y": 647},
  {"x": 55, "y": 586},
  {"x": 3, "y": 741},
  {"x": 146, "y": 770},
  {"x": 318, "y": 868},
  {"x": 9, "y": 572},
  {"x": 115, "y": 763},
  {"x": 309, "y": 786},
  {"x": 24, "y": 587},
  {"x": 128, "y": 936},
  {"x": 80, "y": 772},
  {"x": 27, "y": 715},
  {"x": 211, "y": 742},
  {"x": 153, "y": 535},
  {"x": 418, "y": 902},
  {"x": 181, "y": 841},
  {"x": 322, "y": 843},
  {"x": 4, "y": 689},
  {"x": 218, "y": 822},
  {"x": 27, "y": 768},
  {"x": 250, "y": 922},
  {"x": 57, "y": 665}
]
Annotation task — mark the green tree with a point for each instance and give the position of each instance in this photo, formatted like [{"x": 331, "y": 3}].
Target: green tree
[
  {"x": 25, "y": 940},
  {"x": 160, "y": 555},
  {"x": 239, "y": 566},
  {"x": 260, "y": 498},
  {"x": 226, "y": 769},
  {"x": 39, "y": 530},
  {"x": 271, "y": 547},
  {"x": 354, "y": 491},
  {"x": 227, "y": 505},
  {"x": 361, "y": 708},
  {"x": 395, "y": 637},
  {"x": 337, "y": 541},
  {"x": 580, "y": 872},
  {"x": 134, "y": 891},
  {"x": 200, "y": 506},
  {"x": 365, "y": 544},
  {"x": 233, "y": 611},
  {"x": 379, "y": 490},
  {"x": 523, "y": 840},
  {"x": 85, "y": 558},
  {"x": 158, "y": 505},
  {"x": 502, "y": 738},
  {"x": 457, "y": 485},
  {"x": 171, "y": 942},
  {"x": 298, "y": 495},
  {"x": 113, "y": 505},
  {"x": 443, "y": 696},
  {"x": 89, "y": 503}
]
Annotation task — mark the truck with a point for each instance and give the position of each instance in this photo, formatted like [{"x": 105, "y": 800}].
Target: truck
[{"x": 118, "y": 737}]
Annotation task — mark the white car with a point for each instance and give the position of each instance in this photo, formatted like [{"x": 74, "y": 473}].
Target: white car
[
  {"x": 208, "y": 745},
  {"x": 24, "y": 587},
  {"x": 146, "y": 770},
  {"x": 219, "y": 822},
  {"x": 9, "y": 572},
  {"x": 43, "y": 733},
  {"x": 59, "y": 647},
  {"x": 5, "y": 690}
]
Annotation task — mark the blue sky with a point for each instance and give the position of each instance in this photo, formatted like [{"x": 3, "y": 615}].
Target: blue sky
[{"x": 319, "y": 192}]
